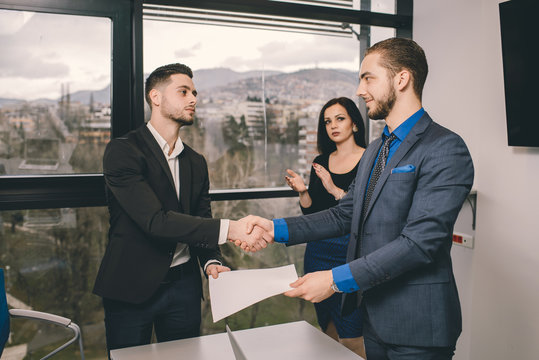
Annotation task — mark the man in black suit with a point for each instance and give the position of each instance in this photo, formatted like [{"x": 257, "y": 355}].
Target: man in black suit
[{"x": 161, "y": 228}]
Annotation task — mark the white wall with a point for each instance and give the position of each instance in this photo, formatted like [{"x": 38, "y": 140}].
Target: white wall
[{"x": 499, "y": 279}]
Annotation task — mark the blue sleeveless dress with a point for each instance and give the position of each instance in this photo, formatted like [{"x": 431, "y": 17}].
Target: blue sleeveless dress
[{"x": 329, "y": 253}]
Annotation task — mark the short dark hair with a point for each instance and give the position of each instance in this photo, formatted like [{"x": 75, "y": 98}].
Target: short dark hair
[
  {"x": 398, "y": 54},
  {"x": 324, "y": 144},
  {"x": 162, "y": 75}
]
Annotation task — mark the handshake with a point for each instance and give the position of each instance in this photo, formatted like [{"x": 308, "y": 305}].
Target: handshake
[{"x": 251, "y": 233}]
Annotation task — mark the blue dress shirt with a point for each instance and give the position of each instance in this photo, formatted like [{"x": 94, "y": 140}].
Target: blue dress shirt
[{"x": 342, "y": 276}]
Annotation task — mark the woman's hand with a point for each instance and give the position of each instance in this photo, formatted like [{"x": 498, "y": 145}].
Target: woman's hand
[
  {"x": 325, "y": 177},
  {"x": 295, "y": 181}
]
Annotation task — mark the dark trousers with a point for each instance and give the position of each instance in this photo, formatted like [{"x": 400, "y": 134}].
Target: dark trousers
[
  {"x": 173, "y": 312},
  {"x": 376, "y": 349}
]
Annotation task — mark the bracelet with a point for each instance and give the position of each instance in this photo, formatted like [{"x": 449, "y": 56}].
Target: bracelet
[{"x": 341, "y": 195}]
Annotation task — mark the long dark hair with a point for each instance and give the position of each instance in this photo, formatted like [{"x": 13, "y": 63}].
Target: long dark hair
[{"x": 324, "y": 144}]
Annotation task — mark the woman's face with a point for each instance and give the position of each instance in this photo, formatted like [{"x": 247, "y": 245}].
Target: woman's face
[{"x": 338, "y": 123}]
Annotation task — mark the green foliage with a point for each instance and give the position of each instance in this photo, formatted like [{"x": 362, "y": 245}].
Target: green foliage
[{"x": 51, "y": 264}]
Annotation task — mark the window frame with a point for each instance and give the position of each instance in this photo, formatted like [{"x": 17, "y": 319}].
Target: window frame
[
  {"x": 83, "y": 190},
  {"x": 79, "y": 190}
]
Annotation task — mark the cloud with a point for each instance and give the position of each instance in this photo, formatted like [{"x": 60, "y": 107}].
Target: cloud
[
  {"x": 17, "y": 61},
  {"x": 12, "y": 21},
  {"x": 183, "y": 53},
  {"x": 42, "y": 50},
  {"x": 187, "y": 53},
  {"x": 279, "y": 54}
]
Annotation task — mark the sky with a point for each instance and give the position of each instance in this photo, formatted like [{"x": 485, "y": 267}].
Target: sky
[
  {"x": 203, "y": 47},
  {"x": 42, "y": 51}
]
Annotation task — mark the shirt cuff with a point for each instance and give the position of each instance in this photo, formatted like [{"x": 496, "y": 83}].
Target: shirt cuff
[
  {"x": 342, "y": 277},
  {"x": 212, "y": 261},
  {"x": 280, "y": 231},
  {"x": 223, "y": 231}
]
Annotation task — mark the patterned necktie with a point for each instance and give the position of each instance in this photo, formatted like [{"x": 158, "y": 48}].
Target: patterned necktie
[{"x": 378, "y": 169}]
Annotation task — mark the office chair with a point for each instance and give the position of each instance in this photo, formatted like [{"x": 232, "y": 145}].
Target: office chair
[{"x": 6, "y": 314}]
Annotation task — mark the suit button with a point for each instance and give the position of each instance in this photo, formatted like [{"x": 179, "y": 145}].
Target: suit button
[{"x": 171, "y": 253}]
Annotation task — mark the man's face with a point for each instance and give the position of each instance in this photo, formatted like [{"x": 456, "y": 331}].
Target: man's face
[
  {"x": 376, "y": 88},
  {"x": 178, "y": 99}
]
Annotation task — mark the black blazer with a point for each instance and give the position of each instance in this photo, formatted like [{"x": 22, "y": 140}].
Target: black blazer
[{"x": 146, "y": 219}]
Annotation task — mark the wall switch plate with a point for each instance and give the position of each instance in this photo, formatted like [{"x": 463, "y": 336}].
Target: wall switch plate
[{"x": 463, "y": 240}]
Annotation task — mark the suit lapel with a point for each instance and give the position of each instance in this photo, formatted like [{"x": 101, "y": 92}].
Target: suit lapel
[
  {"x": 363, "y": 173},
  {"x": 413, "y": 136},
  {"x": 157, "y": 153},
  {"x": 360, "y": 184},
  {"x": 185, "y": 181}
]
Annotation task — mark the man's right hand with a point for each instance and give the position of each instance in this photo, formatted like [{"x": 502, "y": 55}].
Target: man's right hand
[
  {"x": 257, "y": 223},
  {"x": 253, "y": 240}
]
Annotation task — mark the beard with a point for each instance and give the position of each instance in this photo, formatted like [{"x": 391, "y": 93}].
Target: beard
[
  {"x": 384, "y": 106},
  {"x": 181, "y": 118}
]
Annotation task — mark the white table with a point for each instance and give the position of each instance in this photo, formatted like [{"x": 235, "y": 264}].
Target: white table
[{"x": 296, "y": 340}]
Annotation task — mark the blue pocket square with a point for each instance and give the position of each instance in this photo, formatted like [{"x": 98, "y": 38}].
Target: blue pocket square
[{"x": 403, "y": 169}]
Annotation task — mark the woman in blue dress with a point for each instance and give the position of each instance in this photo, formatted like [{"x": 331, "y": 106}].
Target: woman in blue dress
[{"x": 341, "y": 143}]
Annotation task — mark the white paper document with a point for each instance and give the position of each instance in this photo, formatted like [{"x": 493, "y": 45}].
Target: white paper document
[{"x": 233, "y": 291}]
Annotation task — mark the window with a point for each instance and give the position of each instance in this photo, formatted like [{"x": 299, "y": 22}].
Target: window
[
  {"x": 55, "y": 103},
  {"x": 51, "y": 257},
  {"x": 261, "y": 82},
  {"x": 51, "y": 149},
  {"x": 53, "y": 228}
]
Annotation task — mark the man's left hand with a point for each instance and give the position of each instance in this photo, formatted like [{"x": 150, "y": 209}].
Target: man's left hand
[
  {"x": 313, "y": 287},
  {"x": 215, "y": 269}
]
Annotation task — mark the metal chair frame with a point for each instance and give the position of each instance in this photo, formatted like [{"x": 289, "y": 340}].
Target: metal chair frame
[{"x": 52, "y": 319}]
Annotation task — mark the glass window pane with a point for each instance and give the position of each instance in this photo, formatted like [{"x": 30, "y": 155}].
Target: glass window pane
[
  {"x": 330, "y": 3},
  {"x": 277, "y": 309},
  {"x": 50, "y": 259},
  {"x": 55, "y": 73},
  {"x": 379, "y": 6},
  {"x": 260, "y": 92},
  {"x": 378, "y": 34}
]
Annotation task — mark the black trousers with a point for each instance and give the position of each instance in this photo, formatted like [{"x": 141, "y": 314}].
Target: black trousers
[{"x": 173, "y": 312}]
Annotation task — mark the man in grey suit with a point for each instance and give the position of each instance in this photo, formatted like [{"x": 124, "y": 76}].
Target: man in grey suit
[{"x": 400, "y": 212}]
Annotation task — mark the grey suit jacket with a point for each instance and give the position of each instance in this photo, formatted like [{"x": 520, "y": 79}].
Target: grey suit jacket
[{"x": 399, "y": 254}]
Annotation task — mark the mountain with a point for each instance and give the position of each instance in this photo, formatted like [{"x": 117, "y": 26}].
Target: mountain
[
  {"x": 100, "y": 96},
  {"x": 221, "y": 83},
  {"x": 40, "y": 101},
  {"x": 6, "y": 101},
  {"x": 283, "y": 87},
  {"x": 209, "y": 78}
]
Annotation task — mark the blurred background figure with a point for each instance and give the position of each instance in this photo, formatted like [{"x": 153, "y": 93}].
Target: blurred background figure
[{"x": 341, "y": 143}]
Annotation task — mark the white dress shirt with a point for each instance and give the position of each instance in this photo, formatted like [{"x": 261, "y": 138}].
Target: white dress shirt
[{"x": 182, "y": 255}]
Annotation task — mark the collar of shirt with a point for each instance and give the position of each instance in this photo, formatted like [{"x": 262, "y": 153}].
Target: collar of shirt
[
  {"x": 402, "y": 131},
  {"x": 181, "y": 254},
  {"x": 178, "y": 147},
  {"x": 405, "y": 127},
  {"x": 172, "y": 159}
]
